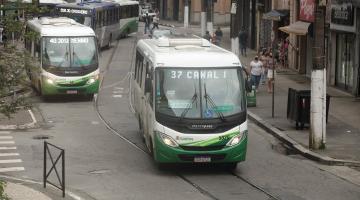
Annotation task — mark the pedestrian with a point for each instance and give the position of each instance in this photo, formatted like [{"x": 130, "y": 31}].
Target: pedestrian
[
  {"x": 155, "y": 22},
  {"x": 243, "y": 41},
  {"x": 270, "y": 72},
  {"x": 264, "y": 59},
  {"x": 218, "y": 35},
  {"x": 147, "y": 23},
  {"x": 256, "y": 67},
  {"x": 207, "y": 36}
]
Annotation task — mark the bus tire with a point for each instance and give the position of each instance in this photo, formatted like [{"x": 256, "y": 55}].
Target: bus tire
[
  {"x": 151, "y": 149},
  {"x": 230, "y": 166},
  {"x": 109, "y": 42},
  {"x": 141, "y": 130},
  {"x": 89, "y": 97},
  {"x": 127, "y": 32},
  {"x": 39, "y": 89}
]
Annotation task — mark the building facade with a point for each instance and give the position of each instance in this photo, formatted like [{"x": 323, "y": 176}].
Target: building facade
[{"x": 343, "y": 57}]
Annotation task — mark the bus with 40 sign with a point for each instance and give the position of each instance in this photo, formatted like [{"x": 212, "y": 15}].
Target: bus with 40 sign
[
  {"x": 189, "y": 99},
  {"x": 66, "y": 57}
]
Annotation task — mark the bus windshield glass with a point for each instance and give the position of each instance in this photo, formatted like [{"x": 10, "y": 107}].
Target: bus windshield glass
[
  {"x": 69, "y": 52},
  {"x": 199, "y": 93}
]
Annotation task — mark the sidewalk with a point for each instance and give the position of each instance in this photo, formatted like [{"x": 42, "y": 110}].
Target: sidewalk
[{"x": 343, "y": 127}]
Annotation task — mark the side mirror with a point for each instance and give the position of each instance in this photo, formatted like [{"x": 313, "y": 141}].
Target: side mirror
[{"x": 246, "y": 80}]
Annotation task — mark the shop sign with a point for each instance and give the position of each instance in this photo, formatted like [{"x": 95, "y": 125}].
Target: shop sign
[
  {"x": 307, "y": 10},
  {"x": 343, "y": 17}
]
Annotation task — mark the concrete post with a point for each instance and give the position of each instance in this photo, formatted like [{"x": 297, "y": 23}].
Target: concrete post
[
  {"x": 317, "y": 137},
  {"x": 1, "y": 30},
  {"x": 186, "y": 14},
  {"x": 203, "y": 23}
]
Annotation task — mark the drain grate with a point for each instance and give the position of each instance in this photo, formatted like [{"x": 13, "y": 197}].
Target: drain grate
[{"x": 42, "y": 137}]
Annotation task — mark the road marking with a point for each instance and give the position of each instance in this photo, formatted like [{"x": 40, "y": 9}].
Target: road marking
[
  {"x": 12, "y": 169},
  {"x": 117, "y": 96},
  {"x": 10, "y": 161},
  {"x": 7, "y": 148},
  {"x": 6, "y": 137},
  {"x": 117, "y": 91},
  {"x": 4, "y": 132},
  {"x": 7, "y": 142},
  {"x": 8, "y": 154}
]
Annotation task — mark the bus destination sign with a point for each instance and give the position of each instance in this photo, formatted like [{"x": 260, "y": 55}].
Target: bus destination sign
[{"x": 74, "y": 11}]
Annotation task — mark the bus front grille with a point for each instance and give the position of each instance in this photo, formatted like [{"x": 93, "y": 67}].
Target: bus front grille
[
  {"x": 206, "y": 148},
  {"x": 214, "y": 157}
]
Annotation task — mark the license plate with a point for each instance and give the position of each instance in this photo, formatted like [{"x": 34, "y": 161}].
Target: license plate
[
  {"x": 71, "y": 92},
  {"x": 202, "y": 159}
]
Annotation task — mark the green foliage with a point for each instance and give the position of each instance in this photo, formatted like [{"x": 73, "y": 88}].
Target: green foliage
[
  {"x": 3, "y": 196},
  {"x": 12, "y": 77}
]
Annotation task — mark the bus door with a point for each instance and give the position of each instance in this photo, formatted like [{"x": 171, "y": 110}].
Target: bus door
[
  {"x": 144, "y": 96},
  {"x": 149, "y": 98}
]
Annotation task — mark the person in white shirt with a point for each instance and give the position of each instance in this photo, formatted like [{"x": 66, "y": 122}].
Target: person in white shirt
[{"x": 256, "y": 69}]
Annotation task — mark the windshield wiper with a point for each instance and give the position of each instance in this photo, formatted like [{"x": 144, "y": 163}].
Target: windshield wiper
[
  {"x": 212, "y": 104},
  {"x": 65, "y": 58},
  {"x": 188, "y": 107},
  {"x": 78, "y": 59}
]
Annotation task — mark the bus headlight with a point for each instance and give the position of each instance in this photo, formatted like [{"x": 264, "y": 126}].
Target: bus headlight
[
  {"x": 235, "y": 140},
  {"x": 168, "y": 140},
  {"x": 50, "y": 81},
  {"x": 93, "y": 79}
]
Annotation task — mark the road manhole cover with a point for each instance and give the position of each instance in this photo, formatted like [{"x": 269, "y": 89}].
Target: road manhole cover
[{"x": 42, "y": 137}]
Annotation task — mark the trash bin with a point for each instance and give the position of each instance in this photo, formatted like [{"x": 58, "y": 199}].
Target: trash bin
[
  {"x": 298, "y": 107},
  {"x": 251, "y": 97}
]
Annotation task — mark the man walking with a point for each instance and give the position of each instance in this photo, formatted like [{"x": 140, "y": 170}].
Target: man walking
[
  {"x": 243, "y": 41},
  {"x": 147, "y": 22},
  {"x": 256, "y": 68}
]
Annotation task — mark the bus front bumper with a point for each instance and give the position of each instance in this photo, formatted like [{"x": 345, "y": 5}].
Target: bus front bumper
[
  {"x": 166, "y": 154},
  {"x": 54, "y": 89}
]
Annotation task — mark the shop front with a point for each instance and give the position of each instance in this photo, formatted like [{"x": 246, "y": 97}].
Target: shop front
[{"x": 344, "y": 67}]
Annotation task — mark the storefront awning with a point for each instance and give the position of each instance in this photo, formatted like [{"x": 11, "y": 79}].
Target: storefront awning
[
  {"x": 297, "y": 28},
  {"x": 275, "y": 15}
]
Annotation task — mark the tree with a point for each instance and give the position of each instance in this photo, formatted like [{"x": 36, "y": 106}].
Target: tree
[{"x": 13, "y": 59}]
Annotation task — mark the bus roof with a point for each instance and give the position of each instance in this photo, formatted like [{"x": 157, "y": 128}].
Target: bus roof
[
  {"x": 59, "y": 26},
  {"x": 88, "y": 5},
  {"x": 186, "y": 52}
]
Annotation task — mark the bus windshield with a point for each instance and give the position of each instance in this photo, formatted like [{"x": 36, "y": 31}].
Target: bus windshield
[
  {"x": 69, "y": 52},
  {"x": 199, "y": 93}
]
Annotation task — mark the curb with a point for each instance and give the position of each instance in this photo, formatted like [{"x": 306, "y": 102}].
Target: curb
[
  {"x": 291, "y": 143},
  {"x": 21, "y": 126},
  {"x": 51, "y": 191}
]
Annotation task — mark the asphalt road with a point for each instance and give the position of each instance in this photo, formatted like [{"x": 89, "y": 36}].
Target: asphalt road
[{"x": 106, "y": 159}]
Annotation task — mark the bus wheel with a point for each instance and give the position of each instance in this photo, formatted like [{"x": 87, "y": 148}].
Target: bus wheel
[
  {"x": 230, "y": 166},
  {"x": 89, "y": 97},
  {"x": 109, "y": 42},
  {"x": 141, "y": 130},
  {"x": 127, "y": 32},
  {"x": 151, "y": 148},
  {"x": 39, "y": 92}
]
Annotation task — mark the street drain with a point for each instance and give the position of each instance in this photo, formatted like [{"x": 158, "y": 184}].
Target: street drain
[
  {"x": 101, "y": 171},
  {"x": 42, "y": 137}
]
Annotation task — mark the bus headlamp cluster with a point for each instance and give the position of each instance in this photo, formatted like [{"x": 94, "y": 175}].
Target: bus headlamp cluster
[
  {"x": 93, "y": 79},
  {"x": 235, "y": 140},
  {"x": 168, "y": 140},
  {"x": 50, "y": 81}
]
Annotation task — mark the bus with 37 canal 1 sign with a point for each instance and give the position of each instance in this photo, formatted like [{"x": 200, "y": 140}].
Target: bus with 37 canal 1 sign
[
  {"x": 111, "y": 19},
  {"x": 189, "y": 99},
  {"x": 65, "y": 57}
]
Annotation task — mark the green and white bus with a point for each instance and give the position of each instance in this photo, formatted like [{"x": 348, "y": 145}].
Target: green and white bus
[
  {"x": 189, "y": 99},
  {"x": 66, "y": 57},
  {"x": 110, "y": 19}
]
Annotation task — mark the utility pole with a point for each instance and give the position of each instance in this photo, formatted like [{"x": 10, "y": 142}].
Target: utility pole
[
  {"x": 203, "y": 17},
  {"x": 186, "y": 14},
  {"x": 235, "y": 25},
  {"x": 317, "y": 138}
]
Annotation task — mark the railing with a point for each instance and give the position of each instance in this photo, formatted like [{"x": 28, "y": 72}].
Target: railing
[{"x": 53, "y": 167}]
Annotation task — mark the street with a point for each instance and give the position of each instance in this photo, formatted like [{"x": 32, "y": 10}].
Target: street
[{"x": 106, "y": 158}]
